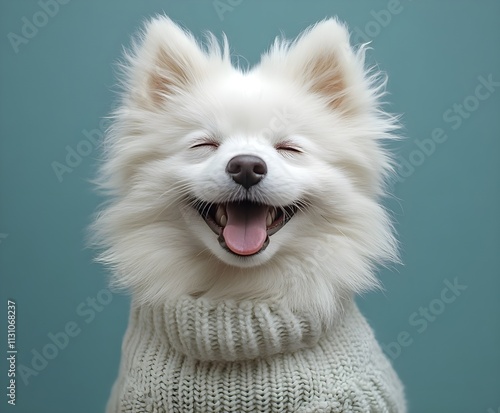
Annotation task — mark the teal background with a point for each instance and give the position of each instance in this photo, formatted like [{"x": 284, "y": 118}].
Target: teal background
[{"x": 61, "y": 83}]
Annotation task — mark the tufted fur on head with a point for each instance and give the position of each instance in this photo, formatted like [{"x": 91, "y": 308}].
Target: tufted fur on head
[{"x": 310, "y": 110}]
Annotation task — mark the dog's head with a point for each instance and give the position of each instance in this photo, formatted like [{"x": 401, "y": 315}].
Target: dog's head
[{"x": 247, "y": 183}]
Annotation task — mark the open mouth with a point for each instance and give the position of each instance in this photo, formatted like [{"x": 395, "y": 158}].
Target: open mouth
[{"x": 244, "y": 227}]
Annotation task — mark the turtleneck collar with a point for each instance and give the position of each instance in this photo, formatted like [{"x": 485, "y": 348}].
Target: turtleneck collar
[{"x": 231, "y": 330}]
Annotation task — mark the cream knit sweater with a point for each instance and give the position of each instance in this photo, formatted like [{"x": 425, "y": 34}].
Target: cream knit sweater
[{"x": 195, "y": 355}]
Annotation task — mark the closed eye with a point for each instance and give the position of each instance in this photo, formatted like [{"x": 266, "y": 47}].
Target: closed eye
[
  {"x": 209, "y": 144},
  {"x": 287, "y": 147}
]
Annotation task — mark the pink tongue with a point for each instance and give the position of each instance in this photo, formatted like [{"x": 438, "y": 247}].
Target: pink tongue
[{"x": 245, "y": 231}]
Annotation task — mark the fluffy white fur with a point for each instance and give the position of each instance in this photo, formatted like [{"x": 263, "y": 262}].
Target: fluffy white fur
[{"x": 314, "y": 93}]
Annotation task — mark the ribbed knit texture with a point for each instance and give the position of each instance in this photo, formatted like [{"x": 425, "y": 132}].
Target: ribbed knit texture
[{"x": 195, "y": 355}]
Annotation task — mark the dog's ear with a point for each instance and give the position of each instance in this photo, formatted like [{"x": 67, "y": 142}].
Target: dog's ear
[
  {"x": 322, "y": 60},
  {"x": 165, "y": 60}
]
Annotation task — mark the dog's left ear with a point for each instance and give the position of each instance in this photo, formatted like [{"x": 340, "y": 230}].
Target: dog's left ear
[{"x": 321, "y": 59}]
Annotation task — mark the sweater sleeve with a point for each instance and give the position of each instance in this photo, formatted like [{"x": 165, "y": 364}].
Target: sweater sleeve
[{"x": 365, "y": 380}]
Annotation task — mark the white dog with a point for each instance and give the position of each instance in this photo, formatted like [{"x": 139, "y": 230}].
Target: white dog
[{"x": 244, "y": 216}]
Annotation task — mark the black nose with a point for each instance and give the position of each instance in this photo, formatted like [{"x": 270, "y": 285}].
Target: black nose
[{"x": 246, "y": 170}]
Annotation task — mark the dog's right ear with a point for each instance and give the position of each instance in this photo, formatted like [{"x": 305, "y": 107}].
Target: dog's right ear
[{"x": 165, "y": 61}]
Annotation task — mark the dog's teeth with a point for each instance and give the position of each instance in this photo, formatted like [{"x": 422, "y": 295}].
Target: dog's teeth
[
  {"x": 273, "y": 213},
  {"x": 223, "y": 221},
  {"x": 219, "y": 215},
  {"x": 269, "y": 219}
]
